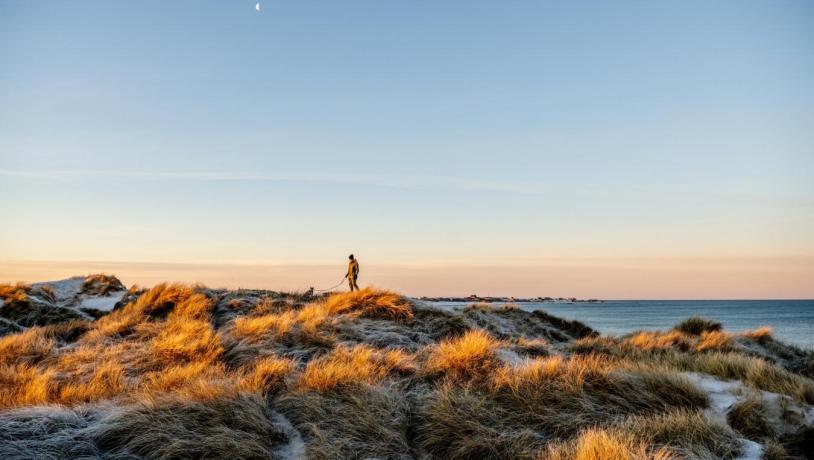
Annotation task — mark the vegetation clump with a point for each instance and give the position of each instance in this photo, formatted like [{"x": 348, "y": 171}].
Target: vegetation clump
[
  {"x": 101, "y": 285},
  {"x": 749, "y": 417},
  {"x": 695, "y": 325}
]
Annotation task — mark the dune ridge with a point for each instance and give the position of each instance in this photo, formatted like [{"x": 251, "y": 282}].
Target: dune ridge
[{"x": 184, "y": 371}]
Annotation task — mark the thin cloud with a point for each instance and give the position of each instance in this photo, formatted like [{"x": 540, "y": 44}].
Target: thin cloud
[
  {"x": 417, "y": 182},
  {"x": 378, "y": 180}
]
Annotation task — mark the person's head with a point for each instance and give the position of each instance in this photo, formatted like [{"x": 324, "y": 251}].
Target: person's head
[{"x": 350, "y": 257}]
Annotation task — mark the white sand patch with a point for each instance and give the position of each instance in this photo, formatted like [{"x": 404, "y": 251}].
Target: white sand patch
[{"x": 295, "y": 449}]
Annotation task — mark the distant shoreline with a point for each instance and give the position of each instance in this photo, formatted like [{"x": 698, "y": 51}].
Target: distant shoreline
[{"x": 476, "y": 298}]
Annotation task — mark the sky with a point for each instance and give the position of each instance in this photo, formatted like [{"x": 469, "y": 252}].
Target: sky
[{"x": 594, "y": 149}]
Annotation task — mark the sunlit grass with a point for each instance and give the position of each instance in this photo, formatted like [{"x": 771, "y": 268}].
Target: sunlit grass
[
  {"x": 353, "y": 366},
  {"x": 469, "y": 356},
  {"x": 179, "y": 352},
  {"x": 600, "y": 444}
]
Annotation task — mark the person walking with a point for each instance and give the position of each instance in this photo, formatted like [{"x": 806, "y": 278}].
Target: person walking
[{"x": 353, "y": 273}]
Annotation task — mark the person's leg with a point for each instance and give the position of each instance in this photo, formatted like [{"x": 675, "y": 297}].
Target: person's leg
[
  {"x": 355, "y": 286},
  {"x": 350, "y": 283}
]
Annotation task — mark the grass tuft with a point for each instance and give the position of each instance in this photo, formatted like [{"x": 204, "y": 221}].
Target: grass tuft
[
  {"x": 371, "y": 303},
  {"x": 600, "y": 444},
  {"x": 695, "y": 325},
  {"x": 352, "y": 367},
  {"x": 748, "y": 417},
  {"x": 472, "y": 355}
]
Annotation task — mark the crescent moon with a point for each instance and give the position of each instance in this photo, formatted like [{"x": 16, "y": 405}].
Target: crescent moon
[{"x": 257, "y": 6}]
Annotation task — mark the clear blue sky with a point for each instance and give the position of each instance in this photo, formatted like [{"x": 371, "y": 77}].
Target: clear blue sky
[{"x": 410, "y": 132}]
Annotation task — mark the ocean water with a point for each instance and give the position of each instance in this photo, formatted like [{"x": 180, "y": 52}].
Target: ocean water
[{"x": 792, "y": 320}]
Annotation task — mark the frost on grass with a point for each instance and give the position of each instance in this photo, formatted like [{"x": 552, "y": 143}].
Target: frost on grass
[{"x": 182, "y": 371}]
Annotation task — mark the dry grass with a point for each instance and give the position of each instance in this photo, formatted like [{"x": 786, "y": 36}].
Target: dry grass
[
  {"x": 268, "y": 374},
  {"x": 705, "y": 341},
  {"x": 369, "y": 422},
  {"x": 173, "y": 378},
  {"x": 163, "y": 341},
  {"x": 567, "y": 374},
  {"x": 461, "y": 422},
  {"x": 748, "y": 417},
  {"x": 277, "y": 324},
  {"x": 761, "y": 335},
  {"x": 311, "y": 323},
  {"x": 168, "y": 428},
  {"x": 773, "y": 450},
  {"x": 23, "y": 386},
  {"x": 710, "y": 353},
  {"x": 714, "y": 340},
  {"x": 370, "y": 303},
  {"x": 101, "y": 284},
  {"x": 108, "y": 380},
  {"x": 188, "y": 301},
  {"x": 513, "y": 411},
  {"x": 753, "y": 371},
  {"x": 186, "y": 341},
  {"x": 27, "y": 347},
  {"x": 11, "y": 293},
  {"x": 481, "y": 306},
  {"x": 660, "y": 341},
  {"x": 188, "y": 372},
  {"x": 687, "y": 433},
  {"x": 354, "y": 366},
  {"x": 567, "y": 394},
  {"x": 469, "y": 356},
  {"x": 600, "y": 444}
]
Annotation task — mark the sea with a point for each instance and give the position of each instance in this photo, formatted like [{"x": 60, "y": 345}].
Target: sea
[{"x": 791, "y": 320}]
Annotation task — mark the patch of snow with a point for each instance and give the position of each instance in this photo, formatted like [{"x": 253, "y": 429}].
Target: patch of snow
[
  {"x": 750, "y": 450},
  {"x": 65, "y": 290},
  {"x": 295, "y": 449},
  {"x": 68, "y": 295},
  {"x": 722, "y": 394},
  {"x": 102, "y": 303},
  {"x": 509, "y": 357},
  {"x": 785, "y": 414}
]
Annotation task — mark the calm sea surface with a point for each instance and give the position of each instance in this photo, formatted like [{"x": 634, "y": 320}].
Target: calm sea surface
[{"x": 792, "y": 320}]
